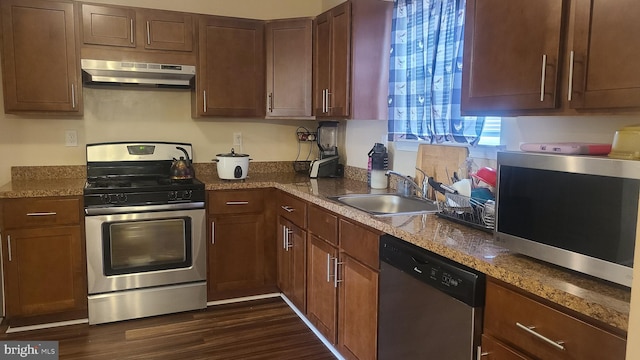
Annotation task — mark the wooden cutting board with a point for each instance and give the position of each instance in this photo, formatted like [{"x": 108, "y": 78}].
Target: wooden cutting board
[{"x": 437, "y": 160}]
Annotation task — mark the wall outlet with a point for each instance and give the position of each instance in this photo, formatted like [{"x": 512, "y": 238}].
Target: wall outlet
[
  {"x": 237, "y": 139},
  {"x": 70, "y": 138}
]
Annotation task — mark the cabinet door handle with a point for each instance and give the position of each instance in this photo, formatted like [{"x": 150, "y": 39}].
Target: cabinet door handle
[
  {"x": 328, "y": 106},
  {"x": 204, "y": 97},
  {"x": 42, "y": 214},
  {"x": 335, "y": 272},
  {"x": 285, "y": 238},
  {"x": 9, "y": 246},
  {"x": 237, "y": 203},
  {"x": 148, "y": 33},
  {"x": 328, "y": 267},
  {"x": 324, "y": 100},
  {"x": 530, "y": 329},
  {"x": 480, "y": 354},
  {"x": 288, "y": 208},
  {"x": 131, "y": 29},
  {"x": 73, "y": 96},
  {"x": 213, "y": 233},
  {"x": 544, "y": 76},
  {"x": 270, "y": 100},
  {"x": 570, "y": 90}
]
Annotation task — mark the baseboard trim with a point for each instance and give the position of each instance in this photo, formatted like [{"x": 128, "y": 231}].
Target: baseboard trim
[
  {"x": 46, "y": 326},
  {"x": 304, "y": 319},
  {"x": 241, "y": 299}
]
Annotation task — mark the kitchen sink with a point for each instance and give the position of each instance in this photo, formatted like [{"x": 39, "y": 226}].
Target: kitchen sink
[{"x": 387, "y": 204}]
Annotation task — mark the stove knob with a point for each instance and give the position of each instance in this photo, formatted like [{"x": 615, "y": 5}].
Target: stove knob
[
  {"x": 186, "y": 195},
  {"x": 173, "y": 195},
  {"x": 121, "y": 198},
  {"x": 104, "y": 198}
]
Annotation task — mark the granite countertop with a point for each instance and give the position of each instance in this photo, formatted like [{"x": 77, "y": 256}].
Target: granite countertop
[{"x": 604, "y": 302}]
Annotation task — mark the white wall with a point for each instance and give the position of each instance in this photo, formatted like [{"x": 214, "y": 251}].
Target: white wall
[{"x": 118, "y": 115}]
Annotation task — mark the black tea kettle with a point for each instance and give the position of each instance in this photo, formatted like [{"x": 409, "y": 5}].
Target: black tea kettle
[{"x": 182, "y": 169}]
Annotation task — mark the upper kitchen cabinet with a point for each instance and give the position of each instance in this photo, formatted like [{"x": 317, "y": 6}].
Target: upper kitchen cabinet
[
  {"x": 107, "y": 25},
  {"x": 135, "y": 34},
  {"x": 512, "y": 55},
  {"x": 332, "y": 62},
  {"x": 231, "y": 68},
  {"x": 40, "y": 65},
  {"x": 603, "y": 68},
  {"x": 289, "y": 74},
  {"x": 351, "y": 60}
]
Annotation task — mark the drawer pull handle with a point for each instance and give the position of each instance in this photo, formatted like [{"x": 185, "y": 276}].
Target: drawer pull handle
[
  {"x": 237, "y": 203},
  {"x": 42, "y": 214},
  {"x": 529, "y": 329},
  {"x": 288, "y": 208}
]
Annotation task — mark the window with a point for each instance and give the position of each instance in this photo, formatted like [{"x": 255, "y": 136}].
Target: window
[{"x": 425, "y": 76}]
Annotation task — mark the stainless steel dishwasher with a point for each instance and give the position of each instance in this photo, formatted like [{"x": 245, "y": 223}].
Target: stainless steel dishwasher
[{"x": 430, "y": 307}]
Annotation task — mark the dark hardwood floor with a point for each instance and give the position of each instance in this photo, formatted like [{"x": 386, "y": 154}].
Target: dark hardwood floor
[{"x": 258, "y": 329}]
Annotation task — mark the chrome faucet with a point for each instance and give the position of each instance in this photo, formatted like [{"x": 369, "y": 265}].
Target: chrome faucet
[{"x": 409, "y": 181}]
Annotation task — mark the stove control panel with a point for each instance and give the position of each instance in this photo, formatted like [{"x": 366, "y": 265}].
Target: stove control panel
[
  {"x": 118, "y": 198},
  {"x": 180, "y": 195}
]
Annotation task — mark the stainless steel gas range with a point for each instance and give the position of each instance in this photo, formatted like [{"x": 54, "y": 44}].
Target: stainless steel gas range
[{"x": 145, "y": 233}]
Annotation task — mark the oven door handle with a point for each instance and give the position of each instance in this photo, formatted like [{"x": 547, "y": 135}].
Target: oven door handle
[{"x": 145, "y": 208}]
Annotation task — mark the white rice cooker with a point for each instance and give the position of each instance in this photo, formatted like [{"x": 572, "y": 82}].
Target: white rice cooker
[{"x": 232, "y": 166}]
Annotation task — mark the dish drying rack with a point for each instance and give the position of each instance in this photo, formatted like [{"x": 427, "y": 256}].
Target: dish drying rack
[{"x": 467, "y": 211}]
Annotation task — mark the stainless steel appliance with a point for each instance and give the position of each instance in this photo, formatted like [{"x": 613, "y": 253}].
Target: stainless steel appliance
[
  {"x": 429, "y": 307},
  {"x": 328, "y": 163},
  {"x": 579, "y": 212},
  {"x": 135, "y": 73},
  {"x": 145, "y": 233}
]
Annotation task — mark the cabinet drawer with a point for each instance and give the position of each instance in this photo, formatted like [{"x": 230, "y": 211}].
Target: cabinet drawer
[
  {"x": 522, "y": 322},
  {"x": 32, "y": 212},
  {"x": 323, "y": 224},
  {"x": 292, "y": 209},
  {"x": 492, "y": 349},
  {"x": 361, "y": 243},
  {"x": 235, "y": 201}
]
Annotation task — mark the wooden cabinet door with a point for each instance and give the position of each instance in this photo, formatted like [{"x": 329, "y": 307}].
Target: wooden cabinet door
[
  {"x": 292, "y": 244},
  {"x": 512, "y": 55},
  {"x": 298, "y": 294},
  {"x": 322, "y": 63},
  {"x": 289, "y": 60},
  {"x": 40, "y": 66},
  {"x": 44, "y": 271},
  {"x": 167, "y": 30},
  {"x": 332, "y": 74},
  {"x": 340, "y": 90},
  {"x": 283, "y": 256},
  {"x": 605, "y": 68},
  {"x": 108, "y": 25},
  {"x": 357, "y": 310},
  {"x": 321, "y": 287},
  {"x": 492, "y": 349},
  {"x": 236, "y": 254},
  {"x": 231, "y": 69}
]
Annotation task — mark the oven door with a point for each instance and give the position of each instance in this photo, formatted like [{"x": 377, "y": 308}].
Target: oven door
[{"x": 145, "y": 249}]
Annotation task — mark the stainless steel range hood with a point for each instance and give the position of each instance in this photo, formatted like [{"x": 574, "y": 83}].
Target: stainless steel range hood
[{"x": 138, "y": 74}]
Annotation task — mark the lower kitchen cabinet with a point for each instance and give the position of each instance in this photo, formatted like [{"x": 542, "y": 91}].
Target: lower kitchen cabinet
[
  {"x": 492, "y": 349},
  {"x": 292, "y": 250},
  {"x": 44, "y": 260},
  {"x": 241, "y": 255},
  {"x": 530, "y": 328},
  {"x": 342, "y": 283},
  {"x": 357, "y": 310},
  {"x": 322, "y": 287}
]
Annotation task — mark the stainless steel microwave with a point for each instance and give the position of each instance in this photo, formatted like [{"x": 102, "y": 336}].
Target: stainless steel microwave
[{"x": 578, "y": 212}]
